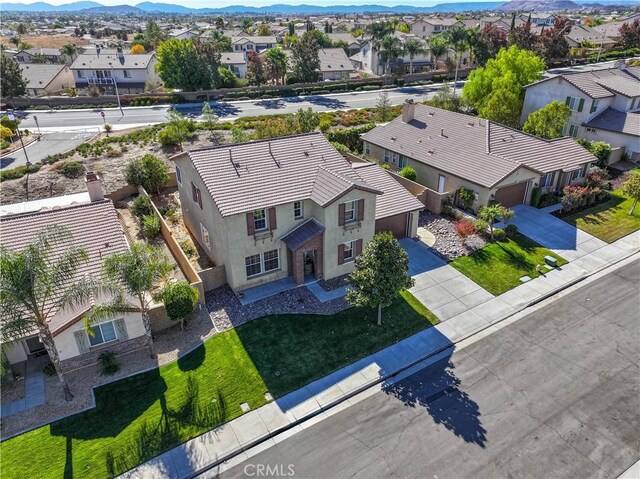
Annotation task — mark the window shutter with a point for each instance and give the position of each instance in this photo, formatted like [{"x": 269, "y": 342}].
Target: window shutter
[
  {"x": 250, "y": 225},
  {"x": 360, "y": 210},
  {"x": 340, "y": 253},
  {"x": 568, "y": 101},
  {"x": 272, "y": 219},
  {"x": 580, "y": 105},
  {"x": 199, "y": 198},
  {"x": 358, "y": 247},
  {"x": 341, "y": 215},
  {"x": 82, "y": 341},
  {"x": 121, "y": 329}
]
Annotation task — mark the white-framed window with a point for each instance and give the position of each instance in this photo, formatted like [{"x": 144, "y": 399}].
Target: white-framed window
[
  {"x": 178, "y": 175},
  {"x": 298, "y": 212},
  {"x": 574, "y": 130},
  {"x": 262, "y": 263},
  {"x": 387, "y": 156},
  {"x": 350, "y": 211},
  {"x": 271, "y": 260},
  {"x": 126, "y": 73},
  {"x": 253, "y": 265},
  {"x": 591, "y": 130},
  {"x": 573, "y": 103},
  {"x": 394, "y": 158},
  {"x": 403, "y": 161},
  {"x": 102, "y": 333},
  {"x": 367, "y": 148},
  {"x": 80, "y": 74},
  {"x": 547, "y": 180},
  {"x": 260, "y": 220},
  {"x": 204, "y": 234},
  {"x": 349, "y": 251},
  {"x": 575, "y": 174}
]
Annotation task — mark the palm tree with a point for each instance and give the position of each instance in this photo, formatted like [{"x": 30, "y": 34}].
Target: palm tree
[
  {"x": 138, "y": 272},
  {"x": 69, "y": 50},
  {"x": 414, "y": 47},
  {"x": 391, "y": 49},
  {"x": 35, "y": 285},
  {"x": 438, "y": 47}
]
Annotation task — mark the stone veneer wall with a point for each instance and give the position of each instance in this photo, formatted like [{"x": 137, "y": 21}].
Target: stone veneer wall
[{"x": 298, "y": 268}]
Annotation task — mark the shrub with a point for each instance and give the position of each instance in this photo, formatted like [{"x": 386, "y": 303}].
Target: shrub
[
  {"x": 108, "y": 127},
  {"x": 108, "y": 363},
  {"x": 466, "y": 198},
  {"x": 49, "y": 369},
  {"x": 142, "y": 206},
  {"x": 548, "y": 199},
  {"x": 325, "y": 125},
  {"x": 482, "y": 227},
  {"x": 464, "y": 228},
  {"x": 350, "y": 137},
  {"x": 180, "y": 299},
  {"x": 510, "y": 230},
  {"x": 409, "y": 173},
  {"x": 148, "y": 171},
  {"x": 5, "y": 132},
  {"x": 151, "y": 225},
  {"x": 385, "y": 166},
  {"x": 4, "y": 144},
  {"x": 169, "y": 136},
  {"x": 499, "y": 234},
  {"x": 448, "y": 208},
  {"x": 72, "y": 169},
  {"x": 18, "y": 172},
  {"x": 188, "y": 248},
  {"x": 340, "y": 147}
]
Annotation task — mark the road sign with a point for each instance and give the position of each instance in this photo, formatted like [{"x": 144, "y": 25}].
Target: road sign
[{"x": 102, "y": 114}]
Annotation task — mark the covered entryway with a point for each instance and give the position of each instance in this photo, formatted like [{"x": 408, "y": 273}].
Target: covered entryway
[
  {"x": 305, "y": 252},
  {"x": 511, "y": 195}
]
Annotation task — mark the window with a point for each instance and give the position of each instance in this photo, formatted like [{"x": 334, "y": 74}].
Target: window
[
  {"x": 367, "y": 148},
  {"x": 575, "y": 174},
  {"x": 80, "y": 74},
  {"x": 592, "y": 130},
  {"x": 195, "y": 194},
  {"x": 574, "y": 103},
  {"x": 260, "y": 220},
  {"x": 127, "y": 73},
  {"x": 102, "y": 333},
  {"x": 349, "y": 251},
  {"x": 573, "y": 131},
  {"x": 394, "y": 158},
  {"x": 178, "y": 175},
  {"x": 349, "y": 212},
  {"x": 547, "y": 180},
  {"x": 271, "y": 260},
  {"x": 594, "y": 106},
  {"x": 204, "y": 234},
  {"x": 253, "y": 265},
  {"x": 402, "y": 162},
  {"x": 297, "y": 210},
  {"x": 387, "y": 155}
]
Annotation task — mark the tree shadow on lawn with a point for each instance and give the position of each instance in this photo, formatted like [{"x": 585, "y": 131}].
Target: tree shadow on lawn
[
  {"x": 437, "y": 389},
  {"x": 517, "y": 259},
  {"x": 598, "y": 214}
]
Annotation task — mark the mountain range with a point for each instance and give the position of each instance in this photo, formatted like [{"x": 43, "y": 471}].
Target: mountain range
[{"x": 151, "y": 7}]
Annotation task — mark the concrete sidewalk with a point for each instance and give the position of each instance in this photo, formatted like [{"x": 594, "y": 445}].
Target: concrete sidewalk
[{"x": 270, "y": 424}]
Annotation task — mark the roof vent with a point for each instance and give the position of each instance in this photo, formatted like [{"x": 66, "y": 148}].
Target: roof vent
[
  {"x": 431, "y": 113},
  {"x": 306, "y": 153},
  {"x": 470, "y": 123},
  {"x": 393, "y": 138},
  {"x": 431, "y": 152},
  {"x": 442, "y": 133}
]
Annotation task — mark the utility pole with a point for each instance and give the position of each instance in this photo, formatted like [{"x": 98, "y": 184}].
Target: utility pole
[
  {"x": 115, "y": 85},
  {"x": 12, "y": 117},
  {"x": 35, "y": 118}
]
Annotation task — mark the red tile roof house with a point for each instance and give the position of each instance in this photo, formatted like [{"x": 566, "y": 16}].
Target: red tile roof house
[
  {"x": 93, "y": 223},
  {"x": 451, "y": 150},
  {"x": 265, "y": 208}
]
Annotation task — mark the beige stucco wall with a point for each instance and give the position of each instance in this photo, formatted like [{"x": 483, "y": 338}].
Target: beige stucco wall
[
  {"x": 519, "y": 176},
  {"x": 66, "y": 342},
  {"x": 15, "y": 352}
]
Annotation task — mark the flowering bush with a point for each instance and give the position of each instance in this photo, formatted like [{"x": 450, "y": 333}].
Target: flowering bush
[
  {"x": 576, "y": 197},
  {"x": 465, "y": 228},
  {"x": 598, "y": 178}
]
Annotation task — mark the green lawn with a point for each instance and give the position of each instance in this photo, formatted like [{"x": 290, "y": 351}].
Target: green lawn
[
  {"x": 139, "y": 417},
  {"x": 499, "y": 266},
  {"x": 608, "y": 221}
]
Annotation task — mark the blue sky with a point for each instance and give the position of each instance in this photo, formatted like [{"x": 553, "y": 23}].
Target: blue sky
[{"x": 224, "y": 3}]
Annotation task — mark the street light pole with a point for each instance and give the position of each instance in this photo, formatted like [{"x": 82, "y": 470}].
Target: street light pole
[
  {"x": 35, "y": 118},
  {"x": 455, "y": 78},
  {"x": 12, "y": 117},
  {"x": 115, "y": 84}
]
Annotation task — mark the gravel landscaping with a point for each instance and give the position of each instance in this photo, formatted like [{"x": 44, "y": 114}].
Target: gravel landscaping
[
  {"x": 13, "y": 391},
  {"x": 334, "y": 283},
  {"x": 448, "y": 245},
  {"x": 227, "y": 312}
]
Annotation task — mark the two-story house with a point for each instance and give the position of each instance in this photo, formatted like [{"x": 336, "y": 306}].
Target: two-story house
[
  {"x": 128, "y": 72},
  {"x": 427, "y": 27},
  {"x": 252, "y": 43},
  {"x": 236, "y": 62},
  {"x": 50, "y": 55},
  {"x": 605, "y": 104},
  {"x": 451, "y": 150},
  {"x": 265, "y": 209}
]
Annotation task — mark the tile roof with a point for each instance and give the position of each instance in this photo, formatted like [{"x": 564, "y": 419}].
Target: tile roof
[
  {"x": 39, "y": 75},
  {"x": 602, "y": 83},
  {"x": 334, "y": 60},
  {"x": 49, "y": 52},
  {"x": 233, "y": 58},
  {"x": 260, "y": 174},
  {"x": 480, "y": 151},
  {"x": 616, "y": 120},
  {"x": 302, "y": 234},
  {"x": 130, "y": 62},
  {"x": 254, "y": 39},
  {"x": 395, "y": 198},
  {"x": 94, "y": 226}
]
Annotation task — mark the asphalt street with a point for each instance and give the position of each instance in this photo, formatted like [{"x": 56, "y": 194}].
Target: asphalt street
[
  {"x": 555, "y": 394},
  {"x": 47, "y": 145}
]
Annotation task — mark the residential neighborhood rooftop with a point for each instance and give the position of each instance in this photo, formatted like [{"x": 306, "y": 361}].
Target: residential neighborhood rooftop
[
  {"x": 616, "y": 120},
  {"x": 39, "y": 75},
  {"x": 131, "y": 62}
]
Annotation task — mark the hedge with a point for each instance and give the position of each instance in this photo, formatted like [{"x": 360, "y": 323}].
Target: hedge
[{"x": 350, "y": 137}]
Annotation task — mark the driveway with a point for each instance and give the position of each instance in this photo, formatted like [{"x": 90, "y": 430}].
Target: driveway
[
  {"x": 441, "y": 288},
  {"x": 560, "y": 237}
]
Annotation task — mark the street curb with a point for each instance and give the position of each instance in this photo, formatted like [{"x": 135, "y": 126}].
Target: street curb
[
  {"x": 26, "y": 145},
  {"x": 380, "y": 380}
]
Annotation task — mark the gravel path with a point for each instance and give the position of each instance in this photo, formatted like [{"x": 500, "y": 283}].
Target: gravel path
[{"x": 448, "y": 245}]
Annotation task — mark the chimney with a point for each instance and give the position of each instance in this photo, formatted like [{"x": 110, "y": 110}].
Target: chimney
[
  {"x": 408, "y": 111},
  {"x": 94, "y": 186}
]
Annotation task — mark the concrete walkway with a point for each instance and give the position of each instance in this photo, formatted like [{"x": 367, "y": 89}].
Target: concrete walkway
[
  {"x": 33, "y": 388},
  {"x": 440, "y": 287}
]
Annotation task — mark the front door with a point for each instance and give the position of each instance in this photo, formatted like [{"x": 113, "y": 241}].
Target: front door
[
  {"x": 34, "y": 345},
  {"x": 309, "y": 263},
  {"x": 441, "y": 180}
]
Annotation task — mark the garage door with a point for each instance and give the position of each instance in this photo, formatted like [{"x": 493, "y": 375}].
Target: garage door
[
  {"x": 397, "y": 225},
  {"x": 511, "y": 195}
]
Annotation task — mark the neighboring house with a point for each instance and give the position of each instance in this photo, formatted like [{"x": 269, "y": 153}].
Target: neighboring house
[
  {"x": 93, "y": 223},
  {"x": 43, "y": 78},
  {"x": 185, "y": 34},
  {"x": 427, "y": 27},
  {"x": 236, "y": 62},
  {"x": 252, "y": 43},
  {"x": 540, "y": 19},
  {"x": 451, "y": 150},
  {"x": 612, "y": 29},
  {"x": 266, "y": 208},
  {"x": 605, "y": 104},
  {"x": 582, "y": 36},
  {"x": 353, "y": 43},
  {"x": 130, "y": 72},
  {"x": 334, "y": 64},
  {"x": 368, "y": 60},
  {"x": 52, "y": 55}
]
